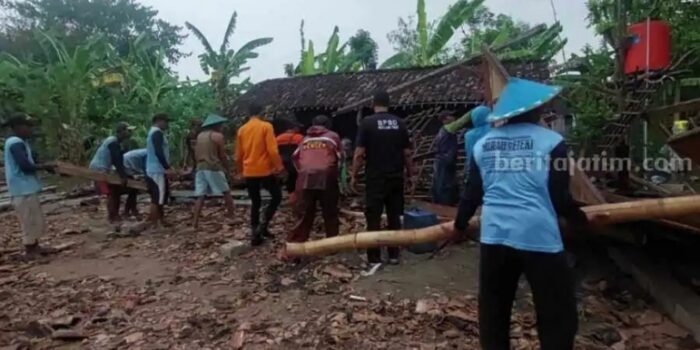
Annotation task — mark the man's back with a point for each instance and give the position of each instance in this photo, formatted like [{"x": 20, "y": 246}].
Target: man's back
[
  {"x": 256, "y": 149},
  {"x": 207, "y": 150},
  {"x": 384, "y": 137}
]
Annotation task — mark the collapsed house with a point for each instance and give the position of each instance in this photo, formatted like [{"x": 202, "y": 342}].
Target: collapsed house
[{"x": 418, "y": 95}]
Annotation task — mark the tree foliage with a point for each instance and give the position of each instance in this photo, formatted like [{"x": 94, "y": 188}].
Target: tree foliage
[
  {"x": 225, "y": 64},
  {"x": 426, "y": 44},
  {"x": 74, "y": 21},
  {"x": 588, "y": 77},
  {"x": 358, "y": 53},
  {"x": 78, "y": 94},
  {"x": 494, "y": 30}
]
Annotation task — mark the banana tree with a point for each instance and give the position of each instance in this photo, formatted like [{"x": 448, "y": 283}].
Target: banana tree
[
  {"x": 430, "y": 43},
  {"x": 59, "y": 92},
  {"x": 226, "y": 64},
  {"x": 333, "y": 59}
]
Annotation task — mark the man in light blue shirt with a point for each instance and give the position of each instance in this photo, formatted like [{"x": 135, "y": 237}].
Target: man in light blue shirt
[
  {"x": 157, "y": 168},
  {"x": 518, "y": 175},
  {"x": 24, "y": 185},
  {"x": 134, "y": 165}
]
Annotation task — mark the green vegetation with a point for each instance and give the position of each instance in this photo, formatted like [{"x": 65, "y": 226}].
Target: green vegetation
[
  {"x": 81, "y": 65},
  {"x": 426, "y": 44},
  {"x": 358, "y": 53},
  {"x": 227, "y": 64},
  {"x": 589, "y": 77}
]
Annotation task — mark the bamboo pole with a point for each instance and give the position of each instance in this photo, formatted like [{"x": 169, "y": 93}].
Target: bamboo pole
[{"x": 603, "y": 214}]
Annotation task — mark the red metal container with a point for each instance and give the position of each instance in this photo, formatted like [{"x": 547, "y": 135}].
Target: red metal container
[{"x": 651, "y": 47}]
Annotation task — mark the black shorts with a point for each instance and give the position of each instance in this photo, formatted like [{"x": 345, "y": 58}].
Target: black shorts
[{"x": 159, "y": 188}]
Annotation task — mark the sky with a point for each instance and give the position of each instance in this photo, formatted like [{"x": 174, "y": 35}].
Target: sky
[{"x": 280, "y": 20}]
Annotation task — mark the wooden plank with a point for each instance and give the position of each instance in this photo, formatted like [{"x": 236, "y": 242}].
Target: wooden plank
[
  {"x": 68, "y": 169},
  {"x": 684, "y": 106},
  {"x": 687, "y": 144},
  {"x": 639, "y": 181},
  {"x": 583, "y": 190},
  {"x": 47, "y": 189}
]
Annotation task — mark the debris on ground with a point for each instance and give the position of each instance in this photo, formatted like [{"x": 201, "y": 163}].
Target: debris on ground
[{"x": 186, "y": 289}]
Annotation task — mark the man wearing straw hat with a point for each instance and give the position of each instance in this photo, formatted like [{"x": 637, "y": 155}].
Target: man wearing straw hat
[
  {"x": 518, "y": 175},
  {"x": 212, "y": 166}
]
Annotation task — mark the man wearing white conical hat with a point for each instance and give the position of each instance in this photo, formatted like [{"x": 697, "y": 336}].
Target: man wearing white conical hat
[{"x": 518, "y": 174}]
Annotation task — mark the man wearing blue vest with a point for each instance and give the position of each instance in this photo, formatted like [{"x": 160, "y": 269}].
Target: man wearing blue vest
[
  {"x": 24, "y": 185},
  {"x": 518, "y": 174},
  {"x": 157, "y": 168},
  {"x": 135, "y": 165},
  {"x": 111, "y": 155}
]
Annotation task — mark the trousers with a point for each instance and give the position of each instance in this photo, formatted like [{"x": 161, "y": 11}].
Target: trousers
[
  {"x": 444, "y": 189},
  {"x": 271, "y": 185},
  {"x": 305, "y": 210},
  {"x": 552, "y": 283},
  {"x": 383, "y": 193}
]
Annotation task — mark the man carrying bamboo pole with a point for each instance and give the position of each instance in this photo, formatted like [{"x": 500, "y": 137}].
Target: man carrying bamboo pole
[
  {"x": 24, "y": 185},
  {"x": 108, "y": 156},
  {"x": 383, "y": 142},
  {"x": 519, "y": 175}
]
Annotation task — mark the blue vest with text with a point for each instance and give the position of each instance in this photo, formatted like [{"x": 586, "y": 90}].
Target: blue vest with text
[
  {"x": 153, "y": 165},
  {"x": 517, "y": 211},
  {"x": 102, "y": 161},
  {"x": 19, "y": 183}
]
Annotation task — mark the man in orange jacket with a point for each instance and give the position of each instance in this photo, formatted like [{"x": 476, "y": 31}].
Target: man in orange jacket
[
  {"x": 287, "y": 143},
  {"x": 260, "y": 164}
]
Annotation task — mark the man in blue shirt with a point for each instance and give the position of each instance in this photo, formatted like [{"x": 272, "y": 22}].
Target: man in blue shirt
[
  {"x": 135, "y": 165},
  {"x": 110, "y": 155},
  {"x": 24, "y": 185},
  {"x": 157, "y": 167},
  {"x": 518, "y": 174}
]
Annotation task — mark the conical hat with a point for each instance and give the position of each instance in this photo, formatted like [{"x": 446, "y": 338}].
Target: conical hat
[
  {"x": 511, "y": 96},
  {"x": 213, "y": 119}
]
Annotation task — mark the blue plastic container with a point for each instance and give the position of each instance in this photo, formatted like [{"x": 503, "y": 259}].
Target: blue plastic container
[{"x": 418, "y": 218}]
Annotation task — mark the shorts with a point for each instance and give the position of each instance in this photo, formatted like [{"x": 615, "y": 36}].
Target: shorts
[
  {"x": 102, "y": 188},
  {"x": 210, "y": 182},
  {"x": 158, "y": 188},
  {"x": 31, "y": 217}
]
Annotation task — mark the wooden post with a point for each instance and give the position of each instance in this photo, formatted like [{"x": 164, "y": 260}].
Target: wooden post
[{"x": 603, "y": 214}]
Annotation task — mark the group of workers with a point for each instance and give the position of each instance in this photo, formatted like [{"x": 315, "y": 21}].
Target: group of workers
[{"x": 520, "y": 203}]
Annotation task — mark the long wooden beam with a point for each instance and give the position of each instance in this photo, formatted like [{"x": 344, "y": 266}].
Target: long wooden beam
[
  {"x": 603, "y": 214},
  {"x": 68, "y": 169},
  {"x": 442, "y": 70},
  {"x": 684, "y": 106}
]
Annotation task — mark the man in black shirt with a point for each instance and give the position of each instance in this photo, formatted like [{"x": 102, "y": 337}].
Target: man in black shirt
[{"x": 383, "y": 142}]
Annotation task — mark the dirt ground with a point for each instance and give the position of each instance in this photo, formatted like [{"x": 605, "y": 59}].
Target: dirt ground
[{"x": 175, "y": 290}]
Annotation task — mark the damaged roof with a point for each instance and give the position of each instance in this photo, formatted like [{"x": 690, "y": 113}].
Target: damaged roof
[{"x": 332, "y": 91}]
